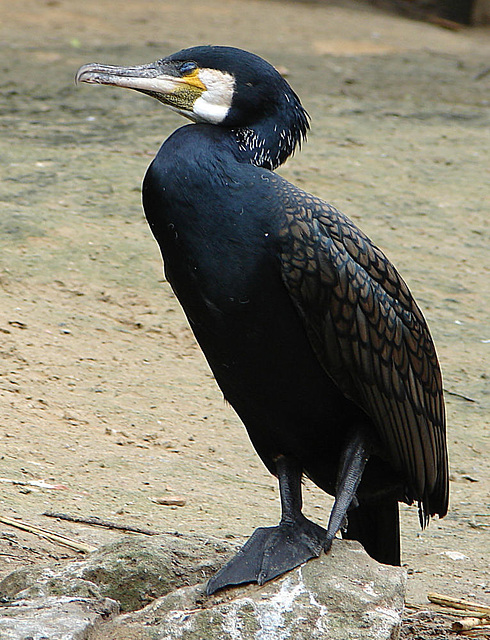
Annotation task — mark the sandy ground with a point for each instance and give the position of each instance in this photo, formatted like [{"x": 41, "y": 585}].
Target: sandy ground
[{"x": 104, "y": 394}]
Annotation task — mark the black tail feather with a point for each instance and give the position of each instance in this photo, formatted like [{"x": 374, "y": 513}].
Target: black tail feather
[{"x": 377, "y": 528}]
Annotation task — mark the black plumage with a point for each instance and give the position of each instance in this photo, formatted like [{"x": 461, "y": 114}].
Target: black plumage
[{"x": 311, "y": 333}]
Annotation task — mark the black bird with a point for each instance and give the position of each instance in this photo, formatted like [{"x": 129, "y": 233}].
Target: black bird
[{"x": 311, "y": 333}]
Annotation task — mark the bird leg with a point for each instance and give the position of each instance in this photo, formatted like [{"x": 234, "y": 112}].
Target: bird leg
[
  {"x": 271, "y": 551},
  {"x": 352, "y": 463}
]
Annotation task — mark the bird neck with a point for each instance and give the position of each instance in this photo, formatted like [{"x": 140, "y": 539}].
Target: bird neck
[
  {"x": 269, "y": 142},
  {"x": 256, "y": 148}
]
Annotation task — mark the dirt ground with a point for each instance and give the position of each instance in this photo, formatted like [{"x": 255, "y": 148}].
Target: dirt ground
[{"x": 105, "y": 396}]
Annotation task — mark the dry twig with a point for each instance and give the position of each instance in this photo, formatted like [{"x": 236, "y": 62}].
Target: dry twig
[
  {"x": 459, "y": 395},
  {"x": 98, "y": 522},
  {"x": 447, "y": 611},
  {"x": 49, "y": 535},
  {"x": 458, "y": 603}
]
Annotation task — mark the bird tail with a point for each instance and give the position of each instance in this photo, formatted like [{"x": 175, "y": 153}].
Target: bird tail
[{"x": 377, "y": 528}]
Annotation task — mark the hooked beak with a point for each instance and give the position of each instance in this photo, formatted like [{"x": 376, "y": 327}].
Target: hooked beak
[
  {"x": 157, "y": 76},
  {"x": 160, "y": 79}
]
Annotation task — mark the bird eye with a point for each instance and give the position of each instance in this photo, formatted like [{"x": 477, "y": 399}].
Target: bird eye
[{"x": 187, "y": 67}]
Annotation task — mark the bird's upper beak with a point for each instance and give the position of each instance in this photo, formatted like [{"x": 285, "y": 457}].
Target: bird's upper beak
[
  {"x": 200, "y": 94},
  {"x": 161, "y": 79}
]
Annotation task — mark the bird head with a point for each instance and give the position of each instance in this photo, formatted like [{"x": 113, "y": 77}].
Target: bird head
[{"x": 217, "y": 85}]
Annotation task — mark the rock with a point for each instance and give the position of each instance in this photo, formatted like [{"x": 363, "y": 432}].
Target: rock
[
  {"x": 138, "y": 571},
  {"x": 344, "y": 595},
  {"x": 54, "y": 618},
  {"x": 68, "y": 601},
  {"x": 133, "y": 571}
]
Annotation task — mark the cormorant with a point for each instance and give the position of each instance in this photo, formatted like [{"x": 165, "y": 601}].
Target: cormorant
[{"x": 311, "y": 333}]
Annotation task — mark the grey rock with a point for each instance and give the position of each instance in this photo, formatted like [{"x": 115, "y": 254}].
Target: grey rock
[
  {"x": 344, "y": 595},
  {"x": 133, "y": 571},
  {"x": 54, "y": 618},
  {"x": 68, "y": 601}
]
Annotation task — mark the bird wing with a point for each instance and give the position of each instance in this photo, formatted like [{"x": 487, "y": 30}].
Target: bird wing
[{"x": 371, "y": 338}]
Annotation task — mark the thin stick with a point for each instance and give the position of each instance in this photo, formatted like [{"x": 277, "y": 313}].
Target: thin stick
[
  {"x": 446, "y": 611},
  {"x": 98, "y": 522},
  {"x": 478, "y": 632},
  {"x": 457, "y": 603},
  {"x": 14, "y": 557},
  {"x": 459, "y": 395},
  {"x": 49, "y": 535}
]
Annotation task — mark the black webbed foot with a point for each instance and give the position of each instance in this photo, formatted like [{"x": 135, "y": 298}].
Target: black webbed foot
[{"x": 270, "y": 552}]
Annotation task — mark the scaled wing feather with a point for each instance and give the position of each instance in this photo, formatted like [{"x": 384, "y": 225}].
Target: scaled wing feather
[{"x": 370, "y": 337}]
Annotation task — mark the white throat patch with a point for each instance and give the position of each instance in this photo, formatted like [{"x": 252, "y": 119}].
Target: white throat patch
[{"x": 214, "y": 103}]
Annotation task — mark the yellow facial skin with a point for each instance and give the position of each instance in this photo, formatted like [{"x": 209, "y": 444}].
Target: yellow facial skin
[
  {"x": 193, "y": 80},
  {"x": 185, "y": 92}
]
